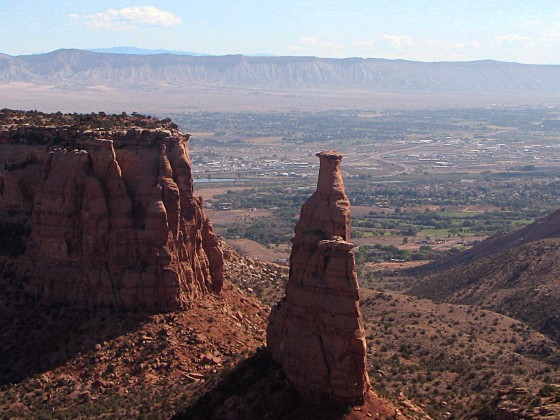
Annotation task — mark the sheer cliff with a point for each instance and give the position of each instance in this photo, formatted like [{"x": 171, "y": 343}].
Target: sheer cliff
[{"x": 111, "y": 210}]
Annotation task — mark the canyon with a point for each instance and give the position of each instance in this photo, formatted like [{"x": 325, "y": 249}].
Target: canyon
[
  {"x": 118, "y": 297},
  {"x": 111, "y": 223}
]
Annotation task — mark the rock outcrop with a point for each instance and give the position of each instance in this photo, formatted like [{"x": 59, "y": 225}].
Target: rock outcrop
[
  {"x": 316, "y": 332},
  {"x": 113, "y": 217}
]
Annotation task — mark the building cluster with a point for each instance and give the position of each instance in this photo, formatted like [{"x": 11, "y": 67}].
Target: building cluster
[{"x": 247, "y": 163}]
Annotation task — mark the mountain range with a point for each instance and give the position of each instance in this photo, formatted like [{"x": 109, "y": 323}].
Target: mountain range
[
  {"x": 324, "y": 82},
  {"x": 141, "y": 51},
  {"x": 88, "y": 67}
]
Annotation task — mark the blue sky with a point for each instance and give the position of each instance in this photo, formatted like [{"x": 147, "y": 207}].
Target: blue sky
[{"x": 427, "y": 30}]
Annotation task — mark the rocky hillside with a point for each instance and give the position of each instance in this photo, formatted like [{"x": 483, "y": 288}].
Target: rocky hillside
[
  {"x": 76, "y": 69},
  {"x": 517, "y": 274},
  {"x": 522, "y": 282},
  {"x": 454, "y": 360},
  {"x": 81, "y": 363},
  {"x": 92, "y": 203},
  {"x": 547, "y": 227}
]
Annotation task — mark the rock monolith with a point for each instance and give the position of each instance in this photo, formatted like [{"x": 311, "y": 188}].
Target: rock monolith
[
  {"x": 316, "y": 332},
  {"x": 112, "y": 213}
]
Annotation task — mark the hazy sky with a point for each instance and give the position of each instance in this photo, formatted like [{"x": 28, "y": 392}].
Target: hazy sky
[{"x": 525, "y": 31}]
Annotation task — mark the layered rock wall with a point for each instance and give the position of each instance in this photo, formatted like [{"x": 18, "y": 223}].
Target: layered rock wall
[
  {"x": 316, "y": 332},
  {"x": 113, "y": 217}
]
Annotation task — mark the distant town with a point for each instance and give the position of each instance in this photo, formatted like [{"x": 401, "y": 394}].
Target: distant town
[{"x": 421, "y": 183}]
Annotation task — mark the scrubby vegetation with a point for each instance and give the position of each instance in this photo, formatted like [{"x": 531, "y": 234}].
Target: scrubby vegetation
[{"x": 76, "y": 121}]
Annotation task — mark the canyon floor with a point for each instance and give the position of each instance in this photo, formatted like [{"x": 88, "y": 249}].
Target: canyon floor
[
  {"x": 114, "y": 364},
  {"x": 450, "y": 361},
  {"x": 78, "y": 364},
  {"x": 456, "y": 358}
]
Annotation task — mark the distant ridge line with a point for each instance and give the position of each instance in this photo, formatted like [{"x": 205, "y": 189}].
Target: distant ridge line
[{"x": 78, "y": 68}]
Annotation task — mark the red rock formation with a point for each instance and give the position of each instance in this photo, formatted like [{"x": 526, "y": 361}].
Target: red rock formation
[
  {"x": 113, "y": 217},
  {"x": 316, "y": 332}
]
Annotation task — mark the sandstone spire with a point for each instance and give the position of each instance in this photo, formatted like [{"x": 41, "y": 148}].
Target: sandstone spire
[{"x": 316, "y": 332}]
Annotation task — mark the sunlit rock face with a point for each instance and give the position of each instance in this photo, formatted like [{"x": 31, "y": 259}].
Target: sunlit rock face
[
  {"x": 316, "y": 332},
  {"x": 113, "y": 217}
]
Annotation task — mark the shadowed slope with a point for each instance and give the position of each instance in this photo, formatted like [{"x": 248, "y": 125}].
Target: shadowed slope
[{"x": 517, "y": 274}]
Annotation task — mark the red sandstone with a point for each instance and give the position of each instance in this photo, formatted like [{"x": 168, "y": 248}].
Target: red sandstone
[
  {"x": 317, "y": 332},
  {"x": 114, "y": 220}
]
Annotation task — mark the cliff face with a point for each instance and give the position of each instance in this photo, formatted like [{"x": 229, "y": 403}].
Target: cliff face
[
  {"x": 113, "y": 217},
  {"x": 317, "y": 331}
]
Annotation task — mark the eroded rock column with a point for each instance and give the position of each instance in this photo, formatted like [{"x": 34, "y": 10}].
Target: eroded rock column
[{"x": 316, "y": 332}]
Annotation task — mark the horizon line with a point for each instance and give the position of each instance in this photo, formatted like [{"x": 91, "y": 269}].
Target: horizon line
[{"x": 161, "y": 51}]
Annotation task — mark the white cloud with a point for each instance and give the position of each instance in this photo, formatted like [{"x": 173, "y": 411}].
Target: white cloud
[
  {"x": 130, "y": 18},
  {"x": 514, "y": 40},
  {"x": 397, "y": 41},
  {"x": 316, "y": 42},
  {"x": 316, "y": 46},
  {"x": 364, "y": 43},
  {"x": 404, "y": 41},
  {"x": 550, "y": 38},
  {"x": 474, "y": 45},
  {"x": 531, "y": 23},
  {"x": 435, "y": 44},
  {"x": 405, "y": 47}
]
